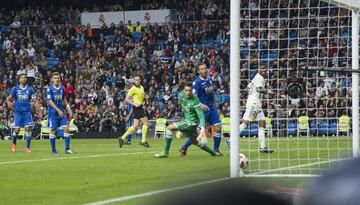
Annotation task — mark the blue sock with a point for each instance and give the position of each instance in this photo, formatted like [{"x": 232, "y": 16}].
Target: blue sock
[
  {"x": 52, "y": 142},
  {"x": 28, "y": 140},
  {"x": 217, "y": 140},
  {"x": 67, "y": 141},
  {"x": 14, "y": 138},
  {"x": 140, "y": 136},
  {"x": 186, "y": 145},
  {"x": 128, "y": 139}
]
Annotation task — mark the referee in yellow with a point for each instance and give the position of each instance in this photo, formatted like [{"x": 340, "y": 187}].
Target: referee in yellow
[{"x": 138, "y": 94}]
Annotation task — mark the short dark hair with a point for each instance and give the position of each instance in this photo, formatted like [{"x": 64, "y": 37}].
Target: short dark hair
[
  {"x": 138, "y": 75},
  {"x": 188, "y": 84},
  {"x": 200, "y": 63},
  {"x": 54, "y": 74}
]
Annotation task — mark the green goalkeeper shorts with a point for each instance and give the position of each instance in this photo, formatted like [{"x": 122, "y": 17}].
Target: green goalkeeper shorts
[{"x": 188, "y": 128}]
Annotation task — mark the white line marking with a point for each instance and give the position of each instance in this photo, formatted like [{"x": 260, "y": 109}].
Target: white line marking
[
  {"x": 80, "y": 157},
  {"x": 295, "y": 167},
  {"x": 125, "y": 198}
]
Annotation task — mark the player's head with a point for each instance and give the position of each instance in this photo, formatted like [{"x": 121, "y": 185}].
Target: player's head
[
  {"x": 188, "y": 89},
  {"x": 55, "y": 78},
  {"x": 263, "y": 72},
  {"x": 137, "y": 80},
  {"x": 22, "y": 79},
  {"x": 202, "y": 70}
]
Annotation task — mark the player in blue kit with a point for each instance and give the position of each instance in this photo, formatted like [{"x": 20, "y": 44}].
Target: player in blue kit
[
  {"x": 56, "y": 113},
  {"x": 203, "y": 88},
  {"x": 23, "y": 94}
]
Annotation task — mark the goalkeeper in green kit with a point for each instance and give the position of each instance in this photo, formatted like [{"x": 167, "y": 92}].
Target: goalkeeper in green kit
[{"x": 194, "y": 118}]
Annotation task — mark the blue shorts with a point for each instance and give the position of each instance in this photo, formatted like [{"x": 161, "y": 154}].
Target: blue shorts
[
  {"x": 212, "y": 116},
  {"x": 23, "y": 119},
  {"x": 57, "y": 122}
]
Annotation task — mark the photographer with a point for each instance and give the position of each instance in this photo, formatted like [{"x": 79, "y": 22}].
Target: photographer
[{"x": 107, "y": 122}]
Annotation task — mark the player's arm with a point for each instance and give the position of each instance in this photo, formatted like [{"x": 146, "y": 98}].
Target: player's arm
[
  {"x": 68, "y": 107},
  {"x": 36, "y": 105},
  {"x": 128, "y": 98},
  {"x": 52, "y": 104},
  {"x": 196, "y": 87},
  {"x": 10, "y": 98}
]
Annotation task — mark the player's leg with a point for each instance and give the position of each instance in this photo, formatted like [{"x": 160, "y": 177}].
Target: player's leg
[
  {"x": 214, "y": 120},
  {"x": 52, "y": 123},
  {"x": 144, "y": 129},
  {"x": 129, "y": 131},
  {"x": 170, "y": 133},
  {"x": 28, "y": 127},
  {"x": 188, "y": 142},
  {"x": 129, "y": 124},
  {"x": 261, "y": 133},
  {"x": 65, "y": 125},
  {"x": 14, "y": 136},
  {"x": 192, "y": 134},
  {"x": 248, "y": 115},
  {"x": 19, "y": 121}
]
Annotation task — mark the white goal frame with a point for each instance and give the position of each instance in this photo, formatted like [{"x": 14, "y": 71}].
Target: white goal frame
[{"x": 354, "y": 6}]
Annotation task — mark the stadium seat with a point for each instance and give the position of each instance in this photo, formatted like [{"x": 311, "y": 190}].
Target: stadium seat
[
  {"x": 160, "y": 127},
  {"x": 254, "y": 129},
  {"x": 291, "y": 129},
  {"x": 45, "y": 131},
  {"x": 343, "y": 125},
  {"x": 303, "y": 125},
  {"x": 313, "y": 128},
  {"x": 323, "y": 128},
  {"x": 225, "y": 126},
  {"x": 245, "y": 132},
  {"x": 268, "y": 127},
  {"x": 332, "y": 128}
]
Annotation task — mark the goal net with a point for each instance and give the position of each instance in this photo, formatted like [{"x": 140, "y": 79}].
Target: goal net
[{"x": 304, "y": 45}]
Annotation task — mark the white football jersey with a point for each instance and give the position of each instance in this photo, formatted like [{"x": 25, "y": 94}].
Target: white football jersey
[{"x": 254, "y": 96}]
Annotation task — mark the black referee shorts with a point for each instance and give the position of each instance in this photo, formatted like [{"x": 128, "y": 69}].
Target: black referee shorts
[{"x": 138, "y": 112}]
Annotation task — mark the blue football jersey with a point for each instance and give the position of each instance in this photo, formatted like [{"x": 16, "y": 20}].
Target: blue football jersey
[
  {"x": 22, "y": 98},
  {"x": 204, "y": 90},
  {"x": 57, "y": 96}
]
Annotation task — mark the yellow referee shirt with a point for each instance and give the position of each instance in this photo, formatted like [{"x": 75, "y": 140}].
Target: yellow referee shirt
[{"x": 138, "y": 94}]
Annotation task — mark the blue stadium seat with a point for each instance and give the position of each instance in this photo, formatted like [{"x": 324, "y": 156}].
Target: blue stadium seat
[
  {"x": 332, "y": 128},
  {"x": 323, "y": 128},
  {"x": 217, "y": 42},
  {"x": 292, "y": 129},
  {"x": 313, "y": 128},
  {"x": 245, "y": 133},
  {"x": 252, "y": 74},
  {"x": 254, "y": 128}
]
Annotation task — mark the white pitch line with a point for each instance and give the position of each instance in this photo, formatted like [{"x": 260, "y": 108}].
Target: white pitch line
[
  {"x": 80, "y": 157},
  {"x": 294, "y": 167},
  {"x": 150, "y": 193},
  {"x": 129, "y": 197}
]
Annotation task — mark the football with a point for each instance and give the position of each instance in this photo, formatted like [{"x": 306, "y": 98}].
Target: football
[{"x": 243, "y": 161}]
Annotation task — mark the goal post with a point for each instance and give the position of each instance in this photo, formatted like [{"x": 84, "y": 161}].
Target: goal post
[{"x": 308, "y": 43}]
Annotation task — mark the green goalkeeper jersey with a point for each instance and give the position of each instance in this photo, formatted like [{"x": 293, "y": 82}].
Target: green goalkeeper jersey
[{"x": 191, "y": 109}]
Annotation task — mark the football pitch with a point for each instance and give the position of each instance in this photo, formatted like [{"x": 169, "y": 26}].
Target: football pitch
[{"x": 101, "y": 171}]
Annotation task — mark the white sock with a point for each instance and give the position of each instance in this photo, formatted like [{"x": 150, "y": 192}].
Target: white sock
[
  {"x": 261, "y": 134},
  {"x": 242, "y": 127}
]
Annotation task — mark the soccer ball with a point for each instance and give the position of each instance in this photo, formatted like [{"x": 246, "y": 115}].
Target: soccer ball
[{"x": 243, "y": 161}]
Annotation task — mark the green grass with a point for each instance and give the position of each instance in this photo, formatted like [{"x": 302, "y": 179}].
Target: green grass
[{"x": 102, "y": 171}]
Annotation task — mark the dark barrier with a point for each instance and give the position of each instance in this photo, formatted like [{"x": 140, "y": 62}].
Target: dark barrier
[{"x": 96, "y": 135}]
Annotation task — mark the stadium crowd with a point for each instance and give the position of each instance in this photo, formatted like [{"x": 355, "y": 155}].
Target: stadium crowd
[{"x": 97, "y": 64}]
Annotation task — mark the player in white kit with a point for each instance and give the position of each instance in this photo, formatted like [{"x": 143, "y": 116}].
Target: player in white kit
[{"x": 254, "y": 110}]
